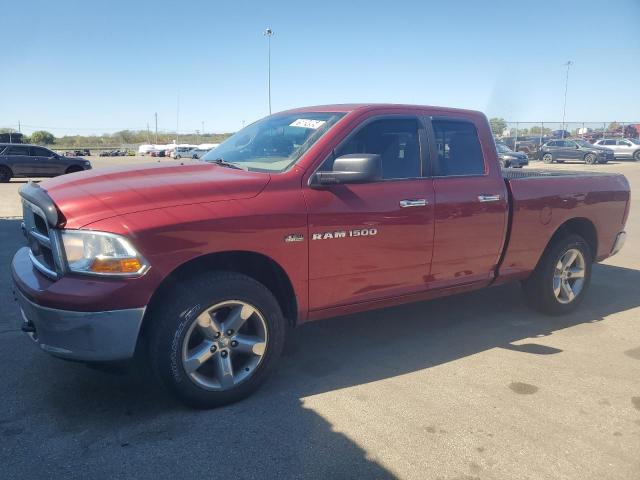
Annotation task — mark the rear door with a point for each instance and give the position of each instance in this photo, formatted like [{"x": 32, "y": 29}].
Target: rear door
[
  {"x": 471, "y": 205},
  {"x": 374, "y": 240},
  {"x": 568, "y": 150},
  {"x": 17, "y": 158}
]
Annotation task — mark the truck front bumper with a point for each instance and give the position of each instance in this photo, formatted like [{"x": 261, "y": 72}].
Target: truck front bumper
[{"x": 75, "y": 335}]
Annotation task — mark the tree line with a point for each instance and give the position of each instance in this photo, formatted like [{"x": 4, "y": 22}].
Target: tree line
[{"x": 117, "y": 139}]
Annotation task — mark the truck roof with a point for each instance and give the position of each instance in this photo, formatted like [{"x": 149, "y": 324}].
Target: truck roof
[{"x": 351, "y": 107}]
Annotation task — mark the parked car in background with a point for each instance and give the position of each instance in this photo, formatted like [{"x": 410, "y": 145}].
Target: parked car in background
[
  {"x": 198, "y": 152},
  {"x": 182, "y": 152},
  {"x": 560, "y": 134},
  {"x": 622, "y": 147},
  {"x": 509, "y": 158},
  {"x": 158, "y": 153},
  {"x": 520, "y": 144},
  {"x": 574, "y": 149},
  {"x": 20, "y": 160}
]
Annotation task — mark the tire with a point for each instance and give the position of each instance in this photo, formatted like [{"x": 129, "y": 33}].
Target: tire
[
  {"x": 73, "y": 170},
  {"x": 5, "y": 174},
  {"x": 590, "y": 158},
  {"x": 636, "y": 156},
  {"x": 547, "y": 158},
  {"x": 543, "y": 289},
  {"x": 176, "y": 333},
  {"x": 502, "y": 163}
]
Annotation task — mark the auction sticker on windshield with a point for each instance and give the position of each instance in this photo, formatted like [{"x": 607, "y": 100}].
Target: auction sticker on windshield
[{"x": 305, "y": 123}]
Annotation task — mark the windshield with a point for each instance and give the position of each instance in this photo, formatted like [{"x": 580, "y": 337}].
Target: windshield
[
  {"x": 583, "y": 143},
  {"x": 503, "y": 148},
  {"x": 274, "y": 143}
]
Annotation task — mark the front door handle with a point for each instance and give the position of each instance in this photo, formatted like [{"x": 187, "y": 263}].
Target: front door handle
[
  {"x": 421, "y": 202},
  {"x": 489, "y": 198}
]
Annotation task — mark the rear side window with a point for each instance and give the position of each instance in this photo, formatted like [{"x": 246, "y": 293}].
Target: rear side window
[
  {"x": 17, "y": 151},
  {"x": 395, "y": 140},
  {"x": 459, "y": 151}
]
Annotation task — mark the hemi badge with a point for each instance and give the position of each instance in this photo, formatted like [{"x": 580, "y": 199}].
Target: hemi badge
[{"x": 294, "y": 237}]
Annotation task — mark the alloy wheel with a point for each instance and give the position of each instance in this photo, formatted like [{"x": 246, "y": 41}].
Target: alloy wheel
[
  {"x": 224, "y": 345},
  {"x": 568, "y": 277}
]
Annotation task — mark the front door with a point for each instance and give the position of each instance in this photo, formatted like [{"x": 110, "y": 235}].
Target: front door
[
  {"x": 373, "y": 241},
  {"x": 48, "y": 164},
  {"x": 471, "y": 207}
]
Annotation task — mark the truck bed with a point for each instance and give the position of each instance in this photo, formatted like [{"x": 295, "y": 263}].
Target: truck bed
[{"x": 543, "y": 200}]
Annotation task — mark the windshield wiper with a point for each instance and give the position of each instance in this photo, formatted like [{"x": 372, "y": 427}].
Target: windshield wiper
[{"x": 223, "y": 163}]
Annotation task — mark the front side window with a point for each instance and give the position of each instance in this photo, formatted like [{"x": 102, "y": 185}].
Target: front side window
[
  {"x": 395, "y": 140},
  {"x": 274, "y": 143},
  {"x": 17, "y": 151},
  {"x": 40, "y": 152},
  {"x": 459, "y": 151},
  {"x": 624, "y": 143}
]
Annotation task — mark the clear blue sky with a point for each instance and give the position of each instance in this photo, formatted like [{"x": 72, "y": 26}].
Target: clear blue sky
[{"x": 94, "y": 67}]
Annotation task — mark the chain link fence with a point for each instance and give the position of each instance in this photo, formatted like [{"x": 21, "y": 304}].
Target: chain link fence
[{"x": 529, "y": 136}]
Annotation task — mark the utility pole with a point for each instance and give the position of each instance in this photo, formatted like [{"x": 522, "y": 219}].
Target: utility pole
[
  {"x": 269, "y": 33},
  {"x": 19, "y": 130},
  {"x": 566, "y": 86},
  {"x": 156, "y": 128},
  {"x": 178, "y": 120},
  {"x": 203, "y": 130},
  {"x": 148, "y": 134}
]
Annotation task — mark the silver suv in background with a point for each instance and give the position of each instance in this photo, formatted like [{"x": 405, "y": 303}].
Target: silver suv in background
[{"x": 622, "y": 147}]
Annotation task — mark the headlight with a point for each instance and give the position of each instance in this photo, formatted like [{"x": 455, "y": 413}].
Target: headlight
[
  {"x": 101, "y": 253},
  {"x": 87, "y": 163}
]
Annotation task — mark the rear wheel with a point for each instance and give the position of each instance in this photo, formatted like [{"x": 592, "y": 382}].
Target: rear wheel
[
  {"x": 5, "y": 174},
  {"x": 559, "y": 282},
  {"x": 547, "y": 158},
  {"x": 215, "y": 340},
  {"x": 590, "y": 158}
]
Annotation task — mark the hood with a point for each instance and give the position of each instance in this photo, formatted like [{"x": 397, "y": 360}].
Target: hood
[
  {"x": 89, "y": 196},
  {"x": 513, "y": 154}
]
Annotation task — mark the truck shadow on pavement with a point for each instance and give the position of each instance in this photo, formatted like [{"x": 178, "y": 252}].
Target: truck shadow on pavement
[{"x": 63, "y": 416}]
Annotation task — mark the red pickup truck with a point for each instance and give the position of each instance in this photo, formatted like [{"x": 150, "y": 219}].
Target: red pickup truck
[{"x": 305, "y": 214}]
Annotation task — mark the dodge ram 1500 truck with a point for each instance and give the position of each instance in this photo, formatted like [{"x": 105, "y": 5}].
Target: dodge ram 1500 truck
[{"x": 302, "y": 215}]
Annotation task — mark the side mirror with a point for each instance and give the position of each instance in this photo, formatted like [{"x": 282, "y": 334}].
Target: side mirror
[{"x": 352, "y": 168}]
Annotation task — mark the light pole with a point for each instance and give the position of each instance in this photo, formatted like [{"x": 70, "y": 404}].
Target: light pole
[
  {"x": 566, "y": 86},
  {"x": 269, "y": 33}
]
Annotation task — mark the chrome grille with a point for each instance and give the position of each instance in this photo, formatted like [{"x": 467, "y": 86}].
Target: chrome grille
[{"x": 43, "y": 241}]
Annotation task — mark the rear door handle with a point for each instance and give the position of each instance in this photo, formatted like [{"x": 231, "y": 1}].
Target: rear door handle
[
  {"x": 421, "y": 202},
  {"x": 489, "y": 198}
]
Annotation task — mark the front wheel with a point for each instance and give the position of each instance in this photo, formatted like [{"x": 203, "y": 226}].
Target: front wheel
[
  {"x": 590, "y": 158},
  {"x": 216, "y": 339},
  {"x": 547, "y": 158},
  {"x": 559, "y": 282},
  {"x": 636, "y": 156}
]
